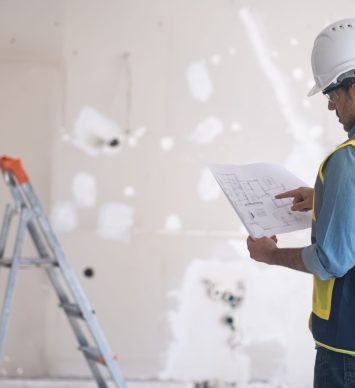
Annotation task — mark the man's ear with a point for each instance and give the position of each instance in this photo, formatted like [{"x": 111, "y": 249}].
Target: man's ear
[{"x": 351, "y": 91}]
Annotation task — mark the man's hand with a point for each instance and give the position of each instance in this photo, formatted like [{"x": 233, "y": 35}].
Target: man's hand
[
  {"x": 302, "y": 198},
  {"x": 262, "y": 249}
]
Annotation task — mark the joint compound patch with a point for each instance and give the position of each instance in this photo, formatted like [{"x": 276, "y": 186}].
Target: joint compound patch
[
  {"x": 95, "y": 134},
  {"x": 167, "y": 143},
  {"x": 173, "y": 223},
  {"x": 84, "y": 189},
  {"x": 115, "y": 221},
  {"x": 199, "y": 81},
  {"x": 207, "y": 130},
  {"x": 64, "y": 216}
]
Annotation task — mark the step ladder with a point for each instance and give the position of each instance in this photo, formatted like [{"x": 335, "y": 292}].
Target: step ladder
[{"x": 31, "y": 218}]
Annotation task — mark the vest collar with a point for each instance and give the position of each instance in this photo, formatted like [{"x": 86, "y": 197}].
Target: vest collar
[{"x": 351, "y": 132}]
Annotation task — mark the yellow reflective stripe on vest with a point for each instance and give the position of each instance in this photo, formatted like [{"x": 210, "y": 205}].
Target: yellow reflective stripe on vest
[
  {"x": 313, "y": 213},
  {"x": 335, "y": 349},
  {"x": 321, "y": 168},
  {"x": 322, "y": 297}
]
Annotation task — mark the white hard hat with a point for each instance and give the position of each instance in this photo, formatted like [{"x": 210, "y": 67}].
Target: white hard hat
[{"x": 333, "y": 54}]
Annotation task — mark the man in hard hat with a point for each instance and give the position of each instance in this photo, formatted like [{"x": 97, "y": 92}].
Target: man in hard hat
[{"x": 331, "y": 256}]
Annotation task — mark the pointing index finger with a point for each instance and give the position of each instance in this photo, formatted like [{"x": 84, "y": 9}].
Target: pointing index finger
[{"x": 287, "y": 194}]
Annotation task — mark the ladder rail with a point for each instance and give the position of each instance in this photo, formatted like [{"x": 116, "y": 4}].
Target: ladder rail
[
  {"x": 5, "y": 228},
  {"x": 10, "y": 288}
]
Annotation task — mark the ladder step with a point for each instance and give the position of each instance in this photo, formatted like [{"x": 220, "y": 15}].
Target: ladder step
[
  {"x": 30, "y": 262},
  {"x": 72, "y": 309},
  {"x": 92, "y": 354}
]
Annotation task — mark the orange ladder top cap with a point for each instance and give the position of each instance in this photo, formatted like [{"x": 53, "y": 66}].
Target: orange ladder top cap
[{"x": 14, "y": 166}]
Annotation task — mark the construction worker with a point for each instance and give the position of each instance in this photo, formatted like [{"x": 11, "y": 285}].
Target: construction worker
[{"x": 331, "y": 255}]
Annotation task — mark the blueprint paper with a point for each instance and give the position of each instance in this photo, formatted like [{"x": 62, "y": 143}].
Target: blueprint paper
[{"x": 251, "y": 188}]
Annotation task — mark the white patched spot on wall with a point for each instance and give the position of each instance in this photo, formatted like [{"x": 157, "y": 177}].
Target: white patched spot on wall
[
  {"x": 167, "y": 143},
  {"x": 215, "y": 334},
  {"x": 115, "y": 220},
  {"x": 207, "y": 187},
  {"x": 84, "y": 189},
  {"x": 294, "y": 42},
  {"x": 205, "y": 347},
  {"x": 207, "y": 130},
  {"x": 199, "y": 81},
  {"x": 236, "y": 126},
  {"x": 95, "y": 133},
  {"x": 173, "y": 223},
  {"x": 64, "y": 216},
  {"x": 129, "y": 191},
  {"x": 216, "y": 59}
]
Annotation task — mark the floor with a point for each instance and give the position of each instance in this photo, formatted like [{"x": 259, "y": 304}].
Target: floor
[{"x": 59, "y": 383}]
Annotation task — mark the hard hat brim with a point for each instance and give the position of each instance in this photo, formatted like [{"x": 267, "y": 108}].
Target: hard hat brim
[{"x": 316, "y": 89}]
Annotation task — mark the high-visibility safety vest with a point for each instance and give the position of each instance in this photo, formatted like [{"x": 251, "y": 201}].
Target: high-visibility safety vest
[{"x": 332, "y": 321}]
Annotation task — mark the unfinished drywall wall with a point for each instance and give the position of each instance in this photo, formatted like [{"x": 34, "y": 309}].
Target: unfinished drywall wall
[
  {"x": 124, "y": 105},
  {"x": 29, "y": 113},
  {"x": 31, "y": 97}
]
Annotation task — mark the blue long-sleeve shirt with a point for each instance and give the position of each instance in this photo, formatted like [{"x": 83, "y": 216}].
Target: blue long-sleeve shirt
[{"x": 333, "y": 254}]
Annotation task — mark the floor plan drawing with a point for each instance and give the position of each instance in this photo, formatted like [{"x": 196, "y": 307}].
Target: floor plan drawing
[{"x": 251, "y": 190}]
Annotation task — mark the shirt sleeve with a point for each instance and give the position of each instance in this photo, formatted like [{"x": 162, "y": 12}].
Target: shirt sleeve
[
  {"x": 312, "y": 261},
  {"x": 333, "y": 255}
]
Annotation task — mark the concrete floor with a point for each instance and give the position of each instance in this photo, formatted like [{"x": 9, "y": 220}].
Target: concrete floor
[{"x": 59, "y": 383}]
